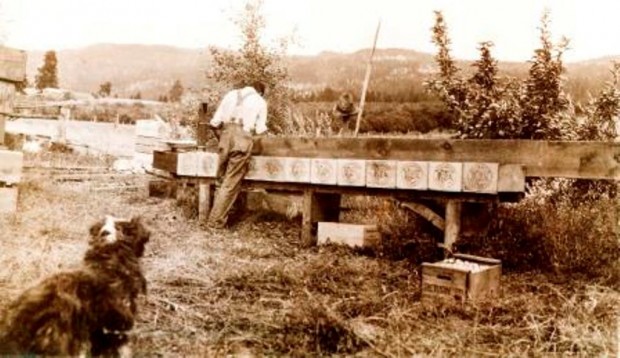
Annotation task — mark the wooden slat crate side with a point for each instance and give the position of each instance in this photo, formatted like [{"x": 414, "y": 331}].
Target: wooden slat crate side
[
  {"x": 207, "y": 164},
  {"x": 166, "y": 161},
  {"x": 324, "y": 171},
  {"x": 12, "y": 64},
  {"x": 480, "y": 177},
  {"x": 511, "y": 178},
  {"x": 412, "y": 175},
  {"x": 11, "y": 165},
  {"x": 351, "y": 172},
  {"x": 381, "y": 173},
  {"x": 297, "y": 170},
  {"x": 348, "y": 234},
  {"x": 445, "y": 176},
  {"x": 485, "y": 284},
  {"x": 8, "y": 200}
]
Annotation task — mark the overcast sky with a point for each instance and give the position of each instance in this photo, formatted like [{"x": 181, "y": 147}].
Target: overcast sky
[{"x": 593, "y": 26}]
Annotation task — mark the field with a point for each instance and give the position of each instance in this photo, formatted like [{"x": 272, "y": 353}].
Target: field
[{"x": 253, "y": 290}]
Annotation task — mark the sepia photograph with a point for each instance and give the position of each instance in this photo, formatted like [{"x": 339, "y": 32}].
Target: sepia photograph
[{"x": 309, "y": 178}]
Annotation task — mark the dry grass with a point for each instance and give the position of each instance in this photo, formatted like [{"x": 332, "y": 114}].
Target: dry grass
[{"x": 253, "y": 290}]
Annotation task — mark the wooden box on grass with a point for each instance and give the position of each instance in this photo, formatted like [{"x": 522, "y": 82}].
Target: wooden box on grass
[
  {"x": 8, "y": 200},
  {"x": 348, "y": 234},
  {"x": 462, "y": 278}
]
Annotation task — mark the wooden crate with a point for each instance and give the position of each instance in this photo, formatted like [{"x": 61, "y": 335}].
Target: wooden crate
[
  {"x": 351, "y": 172},
  {"x": 8, "y": 200},
  {"x": 11, "y": 163},
  {"x": 381, "y": 173},
  {"x": 348, "y": 234},
  {"x": 12, "y": 64},
  {"x": 324, "y": 171},
  {"x": 445, "y": 176},
  {"x": 446, "y": 282}
]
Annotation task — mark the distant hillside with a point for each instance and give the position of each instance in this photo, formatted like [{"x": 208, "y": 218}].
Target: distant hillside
[{"x": 152, "y": 69}]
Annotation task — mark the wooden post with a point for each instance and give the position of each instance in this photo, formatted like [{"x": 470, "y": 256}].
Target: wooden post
[
  {"x": 205, "y": 199},
  {"x": 453, "y": 223},
  {"x": 202, "y": 126},
  {"x": 317, "y": 207}
]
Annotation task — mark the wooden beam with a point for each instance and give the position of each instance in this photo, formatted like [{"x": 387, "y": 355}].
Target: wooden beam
[
  {"x": 453, "y": 224},
  {"x": 586, "y": 160},
  {"x": 427, "y": 213},
  {"x": 205, "y": 199}
]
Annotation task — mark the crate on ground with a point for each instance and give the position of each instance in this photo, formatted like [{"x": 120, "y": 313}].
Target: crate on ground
[
  {"x": 348, "y": 234},
  {"x": 8, "y": 200},
  {"x": 460, "y": 279}
]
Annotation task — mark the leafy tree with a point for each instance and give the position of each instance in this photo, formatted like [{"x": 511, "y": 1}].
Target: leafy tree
[
  {"x": 488, "y": 106},
  {"x": 603, "y": 111},
  {"x": 255, "y": 62},
  {"x": 176, "y": 91},
  {"x": 48, "y": 73},
  {"x": 105, "y": 89},
  {"x": 544, "y": 97}
]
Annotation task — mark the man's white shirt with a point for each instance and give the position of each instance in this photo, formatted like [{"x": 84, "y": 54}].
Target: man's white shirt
[{"x": 252, "y": 111}]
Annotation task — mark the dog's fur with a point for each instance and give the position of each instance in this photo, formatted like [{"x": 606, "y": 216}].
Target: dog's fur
[{"x": 86, "y": 311}]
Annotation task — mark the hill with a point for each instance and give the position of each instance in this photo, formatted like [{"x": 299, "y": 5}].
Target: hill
[{"x": 152, "y": 69}]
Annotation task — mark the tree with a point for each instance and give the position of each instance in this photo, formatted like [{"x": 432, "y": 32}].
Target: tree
[
  {"x": 176, "y": 91},
  {"x": 488, "y": 106},
  {"x": 48, "y": 73},
  {"x": 105, "y": 89},
  {"x": 255, "y": 62},
  {"x": 544, "y": 97}
]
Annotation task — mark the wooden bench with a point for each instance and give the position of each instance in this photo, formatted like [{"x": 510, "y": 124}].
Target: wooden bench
[{"x": 412, "y": 170}]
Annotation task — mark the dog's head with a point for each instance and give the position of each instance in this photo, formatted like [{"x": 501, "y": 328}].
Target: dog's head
[{"x": 112, "y": 229}]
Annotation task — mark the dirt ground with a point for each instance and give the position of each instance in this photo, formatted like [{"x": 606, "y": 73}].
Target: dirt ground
[{"x": 253, "y": 290}]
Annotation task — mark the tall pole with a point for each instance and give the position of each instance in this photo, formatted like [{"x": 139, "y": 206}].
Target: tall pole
[{"x": 366, "y": 81}]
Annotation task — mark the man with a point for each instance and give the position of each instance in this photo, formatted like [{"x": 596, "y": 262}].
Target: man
[
  {"x": 345, "y": 112},
  {"x": 242, "y": 113}
]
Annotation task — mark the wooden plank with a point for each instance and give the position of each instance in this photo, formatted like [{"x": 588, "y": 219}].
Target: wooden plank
[
  {"x": 187, "y": 164},
  {"x": 412, "y": 175},
  {"x": 12, "y": 64},
  {"x": 11, "y": 164},
  {"x": 307, "y": 237},
  {"x": 381, "y": 173},
  {"x": 351, "y": 172},
  {"x": 207, "y": 163},
  {"x": 8, "y": 200},
  {"x": 587, "y": 160},
  {"x": 445, "y": 176},
  {"x": 480, "y": 177}
]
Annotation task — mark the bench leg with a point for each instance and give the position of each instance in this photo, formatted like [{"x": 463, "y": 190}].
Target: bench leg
[
  {"x": 453, "y": 224},
  {"x": 205, "y": 199},
  {"x": 317, "y": 207}
]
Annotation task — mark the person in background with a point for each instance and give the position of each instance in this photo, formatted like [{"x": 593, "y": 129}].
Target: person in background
[
  {"x": 241, "y": 114},
  {"x": 345, "y": 112}
]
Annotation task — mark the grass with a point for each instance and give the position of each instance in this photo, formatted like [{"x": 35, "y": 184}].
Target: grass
[{"x": 254, "y": 291}]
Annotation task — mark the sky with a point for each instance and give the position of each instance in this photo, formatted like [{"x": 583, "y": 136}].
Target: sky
[{"x": 593, "y": 26}]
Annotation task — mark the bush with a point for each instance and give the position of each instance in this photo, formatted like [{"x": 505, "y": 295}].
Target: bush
[{"x": 549, "y": 230}]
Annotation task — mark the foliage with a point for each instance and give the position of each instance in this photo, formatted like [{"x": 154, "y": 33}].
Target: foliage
[
  {"x": 543, "y": 96},
  {"x": 105, "y": 89},
  {"x": 47, "y": 76},
  {"x": 602, "y": 111},
  {"x": 175, "y": 92},
  {"x": 488, "y": 106},
  {"x": 255, "y": 62}
]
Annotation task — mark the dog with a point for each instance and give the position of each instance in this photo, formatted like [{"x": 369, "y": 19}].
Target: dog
[{"x": 87, "y": 311}]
